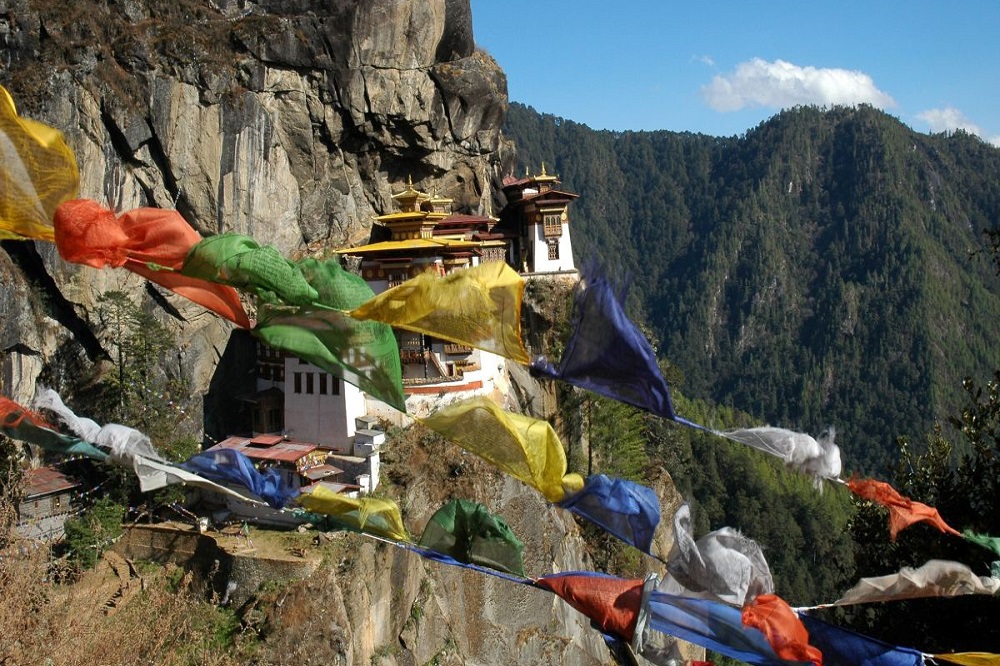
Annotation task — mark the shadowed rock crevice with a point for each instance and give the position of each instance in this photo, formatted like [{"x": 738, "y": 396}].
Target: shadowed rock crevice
[{"x": 26, "y": 257}]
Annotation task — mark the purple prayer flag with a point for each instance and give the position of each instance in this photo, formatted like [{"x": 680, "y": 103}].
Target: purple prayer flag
[{"x": 608, "y": 354}]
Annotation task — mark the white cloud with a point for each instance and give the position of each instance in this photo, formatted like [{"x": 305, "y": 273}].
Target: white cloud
[
  {"x": 950, "y": 119},
  {"x": 705, "y": 60},
  {"x": 781, "y": 84}
]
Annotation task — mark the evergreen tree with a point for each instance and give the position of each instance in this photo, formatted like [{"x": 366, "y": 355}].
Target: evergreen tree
[{"x": 148, "y": 386}]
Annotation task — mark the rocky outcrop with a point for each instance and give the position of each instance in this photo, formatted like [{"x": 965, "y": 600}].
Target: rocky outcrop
[
  {"x": 293, "y": 121},
  {"x": 387, "y": 606}
]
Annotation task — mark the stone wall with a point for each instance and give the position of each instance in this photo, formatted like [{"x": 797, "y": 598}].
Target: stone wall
[{"x": 235, "y": 573}]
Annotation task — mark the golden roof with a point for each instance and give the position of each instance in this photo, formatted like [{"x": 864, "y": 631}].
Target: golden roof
[
  {"x": 403, "y": 215},
  {"x": 411, "y": 244},
  {"x": 544, "y": 177},
  {"x": 410, "y": 194}
]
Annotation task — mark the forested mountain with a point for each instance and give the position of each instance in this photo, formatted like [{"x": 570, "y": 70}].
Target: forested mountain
[{"x": 816, "y": 271}]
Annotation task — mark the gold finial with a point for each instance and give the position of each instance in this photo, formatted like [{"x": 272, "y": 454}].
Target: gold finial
[
  {"x": 543, "y": 170},
  {"x": 527, "y": 171},
  {"x": 409, "y": 181}
]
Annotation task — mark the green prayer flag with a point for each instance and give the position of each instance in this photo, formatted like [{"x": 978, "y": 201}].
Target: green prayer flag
[
  {"x": 469, "y": 533},
  {"x": 238, "y": 261},
  {"x": 988, "y": 542},
  {"x": 363, "y": 353},
  {"x": 336, "y": 288}
]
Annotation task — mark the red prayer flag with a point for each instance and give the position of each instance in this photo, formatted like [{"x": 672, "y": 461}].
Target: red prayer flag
[
  {"x": 903, "y": 511},
  {"x": 151, "y": 242},
  {"x": 782, "y": 627},
  {"x": 612, "y": 603},
  {"x": 12, "y": 414}
]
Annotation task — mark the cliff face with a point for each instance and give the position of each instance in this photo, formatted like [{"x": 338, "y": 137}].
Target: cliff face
[
  {"x": 291, "y": 121},
  {"x": 294, "y": 122}
]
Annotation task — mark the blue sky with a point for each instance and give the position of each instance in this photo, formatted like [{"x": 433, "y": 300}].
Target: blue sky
[{"x": 721, "y": 68}]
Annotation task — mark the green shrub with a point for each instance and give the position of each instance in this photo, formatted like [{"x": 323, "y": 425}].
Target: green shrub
[{"x": 93, "y": 532}]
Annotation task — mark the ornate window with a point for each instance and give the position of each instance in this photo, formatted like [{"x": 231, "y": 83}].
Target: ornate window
[
  {"x": 552, "y": 224},
  {"x": 553, "y": 251}
]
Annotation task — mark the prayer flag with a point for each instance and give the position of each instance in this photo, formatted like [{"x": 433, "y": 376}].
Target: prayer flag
[
  {"x": 723, "y": 563},
  {"x": 935, "y": 578},
  {"x": 230, "y": 465},
  {"x": 151, "y": 242},
  {"x": 970, "y": 658},
  {"x": 37, "y": 173},
  {"x": 466, "y": 531},
  {"x": 903, "y": 511},
  {"x": 363, "y": 353},
  {"x": 366, "y": 514},
  {"x": 612, "y": 603},
  {"x": 479, "y": 307},
  {"x": 782, "y": 627},
  {"x": 710, "y": 624},
  {"x": 18, "y": 423},
  {"x": 525, "y": 448},
  {"x": 984, "y": 540},
  {"x": 625, "y": 509},
  {"x": 800, "y": 451},
  {"x": 608, "y": 354},
  {"x": 240, "y": 262},
  {"x": 841, "y": 646}
]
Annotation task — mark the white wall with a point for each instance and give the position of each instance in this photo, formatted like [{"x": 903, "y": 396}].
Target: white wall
[
  {"x": 317, "y": 418},
  {"x": 540, "y": 250}
]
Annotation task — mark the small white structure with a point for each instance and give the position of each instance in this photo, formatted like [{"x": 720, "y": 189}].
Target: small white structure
[
  {"x": 319, "y": 407},
  {"x": 536, "y": 222}
]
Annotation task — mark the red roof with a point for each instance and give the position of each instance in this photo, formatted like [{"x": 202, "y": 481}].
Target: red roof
[
  {"x": 509, "y": 181},
  {"x": 262, "y": 448},
  {"x": 46, "y": 481},
  {"x": 462, "y": 220},
  {"x": 267, "y": 440}
]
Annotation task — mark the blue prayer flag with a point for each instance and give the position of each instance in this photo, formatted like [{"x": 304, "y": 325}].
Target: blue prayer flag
[
  {"x": 842, "y": 646},
  {"x": 230, "y": 465},
  {"x": 623, "y": 508},
  {"x": 710, "y": 624}
]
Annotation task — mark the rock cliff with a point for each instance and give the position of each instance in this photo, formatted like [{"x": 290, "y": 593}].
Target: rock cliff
[{"x": 293, "y": 121}]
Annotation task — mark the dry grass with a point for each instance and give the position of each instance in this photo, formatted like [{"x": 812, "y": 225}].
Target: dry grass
[{"x": 41, "y": 620}]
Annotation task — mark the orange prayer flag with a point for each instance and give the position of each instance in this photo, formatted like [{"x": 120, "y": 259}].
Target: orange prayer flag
[
  {"x": 150, "y": 242},
  {"x": 782, "y": 627},
  {"x": 13, "y": 414},
  {"x": 903, "y": 511}
]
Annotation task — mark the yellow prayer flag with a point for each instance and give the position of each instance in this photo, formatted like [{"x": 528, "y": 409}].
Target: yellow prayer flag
[
  {"x": 525, "y": 448},
  {"x": 479, "y": 307},
  {"x": 970, "y": 658},
  {"x": 37, "y": 173},
  {"x": 366, "y": 514}
]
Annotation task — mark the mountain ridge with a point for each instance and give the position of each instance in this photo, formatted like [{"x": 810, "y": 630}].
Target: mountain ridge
[{"x": 816, "y": 270}]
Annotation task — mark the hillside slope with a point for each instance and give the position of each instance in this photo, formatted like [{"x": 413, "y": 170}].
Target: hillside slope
[{"x": 815, "y": 271}]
